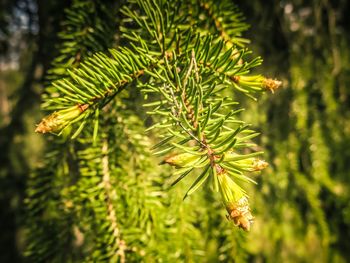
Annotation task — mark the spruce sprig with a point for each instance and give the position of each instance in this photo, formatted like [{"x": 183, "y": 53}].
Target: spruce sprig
[
  {"x": 185, "y": 74},
  {"x": 201, "y": 127}
]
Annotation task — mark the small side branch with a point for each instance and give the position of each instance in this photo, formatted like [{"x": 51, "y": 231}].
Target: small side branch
[{"x": 110, "y": 195}]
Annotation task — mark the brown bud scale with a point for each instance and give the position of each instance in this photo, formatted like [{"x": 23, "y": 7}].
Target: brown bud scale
[{"x": 240, "y": 214}]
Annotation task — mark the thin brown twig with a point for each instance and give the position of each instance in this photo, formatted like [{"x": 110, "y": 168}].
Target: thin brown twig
[{"x": 110, "y": 195}]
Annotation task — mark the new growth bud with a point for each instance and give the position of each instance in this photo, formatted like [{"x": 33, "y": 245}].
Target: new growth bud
[
  {"x": 60, "y": 119},
  {"x": 248, "y": 164},
  {"x": 235, "y": 201},
  {"x": 181, "y": 160},
  {"x": 249, "y": 82},
  {"x": 259, "y": 165},
  {"x": 271, "y": 84},
  {"x": 240, "y": 213}
]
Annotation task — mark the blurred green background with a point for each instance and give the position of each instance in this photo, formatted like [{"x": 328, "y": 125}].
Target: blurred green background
[{"x": 301, "y": 203}]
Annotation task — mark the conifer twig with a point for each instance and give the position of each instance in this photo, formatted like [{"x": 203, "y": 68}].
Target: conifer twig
[{"x": 110, "y": 195}]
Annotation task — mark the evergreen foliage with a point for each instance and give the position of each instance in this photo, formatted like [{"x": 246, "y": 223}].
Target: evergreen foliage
[{"x": 99, "y": 194}]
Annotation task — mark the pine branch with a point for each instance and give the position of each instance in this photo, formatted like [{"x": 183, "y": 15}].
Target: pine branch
[
  {"x": 85, "y": 86},
  {"x": 193, "y": 109},
  {"x": 86, "y": 29},
  {"x": 184, "y": 74},
  {"x": 227, "y": 20}
]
